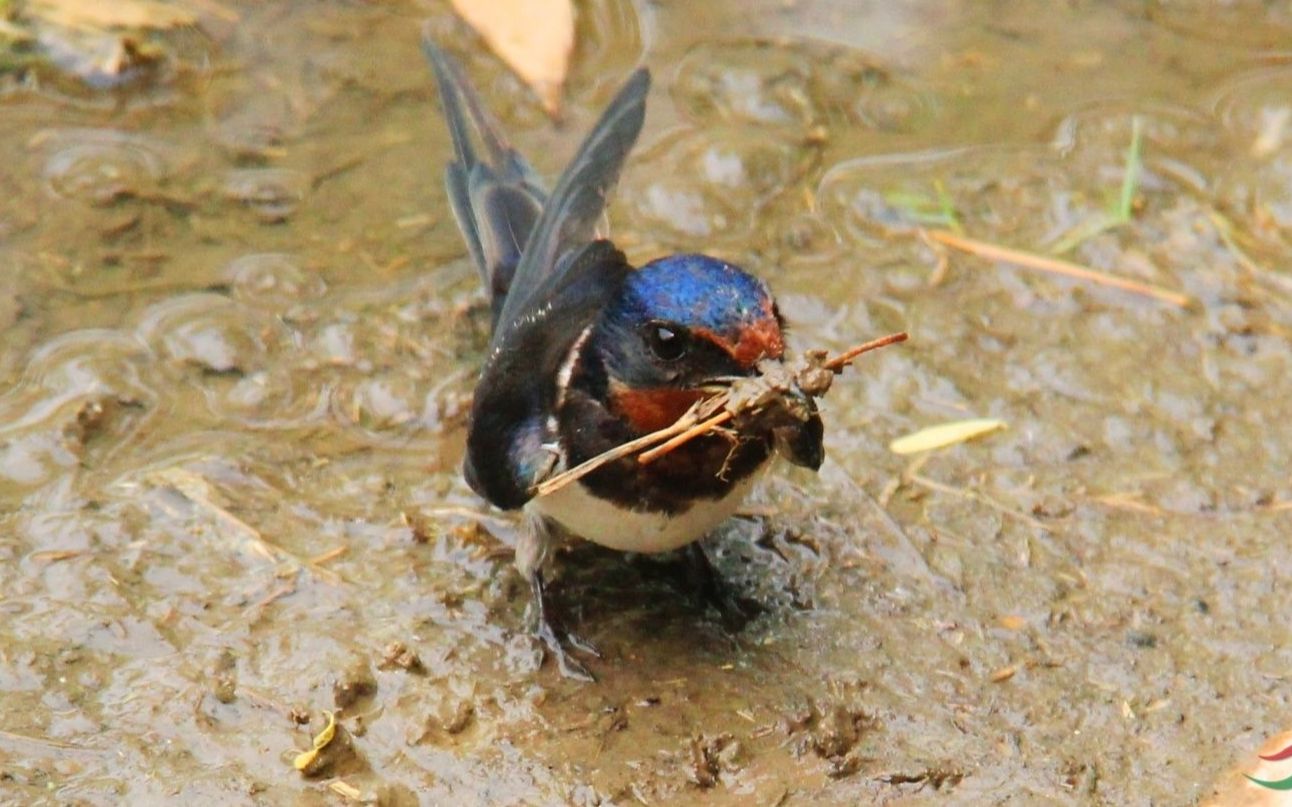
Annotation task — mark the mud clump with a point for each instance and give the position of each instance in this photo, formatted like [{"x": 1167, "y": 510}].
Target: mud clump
[
  {"x": 833, "y": 736},
  {"x": 936, "y": 778},
  {"x": 398, "y": 655},
  {"x": 710, "y": 757},
  {"x": 355, "y": 685},
  {"x": 445, "y": 723}
]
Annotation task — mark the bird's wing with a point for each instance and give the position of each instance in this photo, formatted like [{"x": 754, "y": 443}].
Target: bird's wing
[
  {"x": 548, "y": 278},
  {"x": 518, "y": 385},
  {"x": 495, "y": 195},
  {"x": 569, "y": 217}
]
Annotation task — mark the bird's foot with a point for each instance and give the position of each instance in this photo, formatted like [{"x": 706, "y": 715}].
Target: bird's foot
[
  {"x": 557, "y": 640},
  {"x": 734, "y": 610}
]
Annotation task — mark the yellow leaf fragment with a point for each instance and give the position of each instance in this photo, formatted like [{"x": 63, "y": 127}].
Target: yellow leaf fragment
[
  {"x": 534, "y": 37},
  {"x": 944, "y": 434},
  {"x": 325, "y": 736},
  {"x": 100, "y": 15},
  {"x": 321, "y": 740},
  {"x": 1012, "y": 622}
]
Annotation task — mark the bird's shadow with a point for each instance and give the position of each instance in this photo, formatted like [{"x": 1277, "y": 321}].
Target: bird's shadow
[{"x": 622, "y": 601}]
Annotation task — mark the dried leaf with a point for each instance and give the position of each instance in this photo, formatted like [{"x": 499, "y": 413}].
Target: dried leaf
[
  {"x": 99, "y": 15},
  {"x": 534, "y": 37},
  {"x": 321, "y": 740},
  {"x": 944, "y": 434}
]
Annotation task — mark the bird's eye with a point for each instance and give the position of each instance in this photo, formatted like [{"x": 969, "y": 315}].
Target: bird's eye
[{"x": 667, "y": 343}]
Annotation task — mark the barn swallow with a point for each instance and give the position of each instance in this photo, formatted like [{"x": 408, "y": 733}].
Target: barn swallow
[{"x": 588, "y": 352}]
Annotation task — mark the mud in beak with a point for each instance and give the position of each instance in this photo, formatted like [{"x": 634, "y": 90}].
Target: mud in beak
[{"x": 801, "y": 442}]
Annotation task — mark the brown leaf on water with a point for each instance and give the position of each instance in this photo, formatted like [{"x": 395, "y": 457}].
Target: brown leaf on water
[
  {"x": 534, "y": 37},
  {"x": 100, "y": 15}
]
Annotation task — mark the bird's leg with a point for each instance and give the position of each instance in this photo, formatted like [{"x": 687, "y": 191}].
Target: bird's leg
[
  {"x": 713, "y": 590},
  {"x": 531, "y": 551}
]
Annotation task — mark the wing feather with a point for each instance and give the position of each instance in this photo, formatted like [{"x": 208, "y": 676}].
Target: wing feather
[
  {"x": 548, "y": 278},
  {"x": 570, "y": 215},
  {"x": 495, "y": 195}
]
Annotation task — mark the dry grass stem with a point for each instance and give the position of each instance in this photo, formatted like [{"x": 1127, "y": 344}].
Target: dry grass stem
[
  {"x": 581, "y": 470},
  {"x": 42, "y": 742},
  {"x": 704, "y": 417},
  {"x": 1055, "y": 266},
  {"x": 206, "y": 499},
  {"x": 982, "y": 498},
  {"x": 1119, "y": 501},
  {"x": 850, "y": 355},
  {"x": 330, "y": 555},
  {"x": 699, "y": 429}
]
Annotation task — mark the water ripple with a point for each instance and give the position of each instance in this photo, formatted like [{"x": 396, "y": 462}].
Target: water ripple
[
  {"x": 797, "y": 83},
  {"x": 711, "y": 183},
  {"x": 273, "y": 194},
  {"x": 273, "y": 280},
  {"x": 100, "y": 165}
]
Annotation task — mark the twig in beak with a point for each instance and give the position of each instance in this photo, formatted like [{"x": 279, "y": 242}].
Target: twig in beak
[
  {"x": 850, "y": 355},
  {"x": 687, "y": 436},
  {"x": 699, "y": 420}
]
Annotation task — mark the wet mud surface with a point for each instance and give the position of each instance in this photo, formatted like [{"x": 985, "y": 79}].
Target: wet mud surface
[{"x": 240, "y": 334}]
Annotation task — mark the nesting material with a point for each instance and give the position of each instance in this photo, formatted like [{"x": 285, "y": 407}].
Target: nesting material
[{"x": 779, "y": 394}]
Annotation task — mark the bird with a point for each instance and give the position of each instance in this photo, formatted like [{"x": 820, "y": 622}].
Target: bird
[{"x": 588, "y": 352}]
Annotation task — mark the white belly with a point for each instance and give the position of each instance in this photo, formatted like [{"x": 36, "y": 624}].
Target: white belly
[{"x": 601, "y": 522}]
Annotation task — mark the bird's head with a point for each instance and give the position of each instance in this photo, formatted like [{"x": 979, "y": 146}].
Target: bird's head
[{"x": 682, "y": 328}]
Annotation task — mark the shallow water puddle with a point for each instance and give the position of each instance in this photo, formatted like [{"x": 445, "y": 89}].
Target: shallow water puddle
[{"x": 240, "y": 336}]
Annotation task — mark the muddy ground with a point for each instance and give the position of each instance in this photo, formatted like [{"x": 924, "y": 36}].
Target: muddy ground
[{"x": 240, "y": 333}]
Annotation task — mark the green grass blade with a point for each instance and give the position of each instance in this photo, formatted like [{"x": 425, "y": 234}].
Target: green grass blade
[{"x": 1131, "y": 175}]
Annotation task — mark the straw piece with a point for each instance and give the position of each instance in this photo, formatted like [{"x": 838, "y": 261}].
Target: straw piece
[
  {"x": 711, "y": 413},
  {"x": 1055, "y": 266}
]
